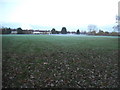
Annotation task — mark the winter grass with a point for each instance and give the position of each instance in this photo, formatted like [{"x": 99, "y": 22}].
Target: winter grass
[{"x": 59, "y": 61}]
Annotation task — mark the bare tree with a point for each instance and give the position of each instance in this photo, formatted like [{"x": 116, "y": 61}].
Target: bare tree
[
  {"x": 92, "y": 27},
  {"x": 116, "y": 28},
  {"x": 117, "y": 19}
]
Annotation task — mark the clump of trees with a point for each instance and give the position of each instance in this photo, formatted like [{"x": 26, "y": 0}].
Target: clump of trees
[
  {"x": 106, "y": 33},
  {"x": 53, "y": 31},
  {"x": 64, "y": 30},
  {"x": 92, "y": 29},
  {"x": 101, "y": 32},
  {"x": 114, "y": 34},
  {"x": 19, "y": 31},
  {"x": 78, "y": 31},
  {"x": 5, "y": 30}
]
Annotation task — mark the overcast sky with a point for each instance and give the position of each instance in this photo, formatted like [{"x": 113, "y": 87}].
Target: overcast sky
[{"x": 55, "y": 13}]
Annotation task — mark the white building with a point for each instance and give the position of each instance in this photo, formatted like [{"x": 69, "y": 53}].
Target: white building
[
  {"x": 36, "y": 32},
  {"x": 13, "y": 32}
]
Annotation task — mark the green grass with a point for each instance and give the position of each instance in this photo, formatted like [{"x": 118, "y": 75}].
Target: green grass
[{"x": 59, "y": 61}]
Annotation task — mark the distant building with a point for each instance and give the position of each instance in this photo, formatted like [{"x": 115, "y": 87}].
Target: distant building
[
  {"x": 14, "y": 32},
  {"x": 41, "y": 32},
  {"x": 27, "y": 31},
  {"x": 36, "y": 32}
]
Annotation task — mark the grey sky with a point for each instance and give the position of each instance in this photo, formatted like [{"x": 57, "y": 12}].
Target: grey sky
[{"x": 57, "y": 13}]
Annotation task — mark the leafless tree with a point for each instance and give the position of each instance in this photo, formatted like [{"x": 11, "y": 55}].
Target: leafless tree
[{"x": 92, "y": 27}]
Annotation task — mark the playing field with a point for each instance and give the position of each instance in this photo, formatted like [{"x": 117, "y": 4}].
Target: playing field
[{"x": 59, "y": 61}]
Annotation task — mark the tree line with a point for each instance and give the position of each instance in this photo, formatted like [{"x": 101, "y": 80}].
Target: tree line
[
  {"x": 92, "y": 31},
  {"x": 9, "y": 30},
  {"x": 63, "y": 31}
]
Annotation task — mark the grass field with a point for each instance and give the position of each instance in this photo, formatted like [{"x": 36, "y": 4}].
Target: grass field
[{"x": 59, "y": 61}]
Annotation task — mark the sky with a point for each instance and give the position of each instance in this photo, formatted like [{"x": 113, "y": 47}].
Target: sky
[{"x": 58, "y": 13}]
